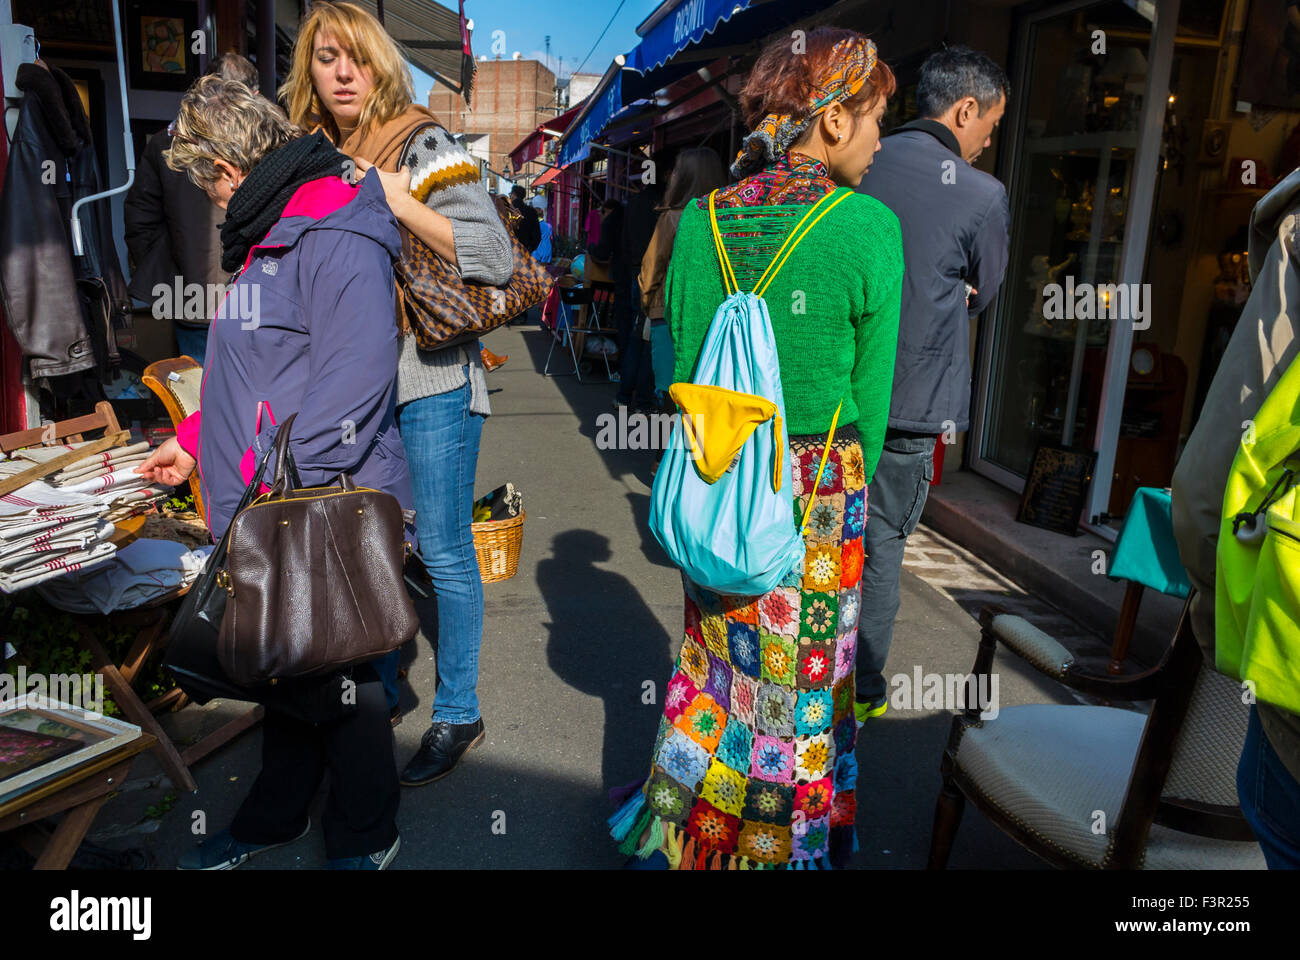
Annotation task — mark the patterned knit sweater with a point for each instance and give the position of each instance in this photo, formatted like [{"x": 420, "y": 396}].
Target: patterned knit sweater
[
  {"x": 834, "y": 305},
  {"x": 445, "y": 178}
]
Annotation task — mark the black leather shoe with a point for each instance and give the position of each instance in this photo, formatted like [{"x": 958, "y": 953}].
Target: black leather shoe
[{"x": 441, "y": 749}]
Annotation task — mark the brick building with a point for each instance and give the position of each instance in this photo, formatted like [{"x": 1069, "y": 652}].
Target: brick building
[{"x": 510, "y": 98}]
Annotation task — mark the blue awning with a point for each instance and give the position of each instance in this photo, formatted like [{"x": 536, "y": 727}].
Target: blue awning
[
  {"x": 604, "y": 103},
  {"x": 674, "y": 26},
  {"x": 686, "y": 23}
]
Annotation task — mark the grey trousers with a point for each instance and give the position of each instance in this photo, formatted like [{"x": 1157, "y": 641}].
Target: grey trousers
[{"x": 895, "y": 499}]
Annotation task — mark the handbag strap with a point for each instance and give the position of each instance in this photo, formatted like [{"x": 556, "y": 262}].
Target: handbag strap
[{"x": 286, "y": 471}]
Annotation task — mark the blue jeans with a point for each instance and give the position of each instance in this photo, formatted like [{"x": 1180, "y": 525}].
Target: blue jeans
[
  {"x": 441, "y": 438},
  {"x": 192, "y": 342},
  {"x": 1270, "y": 798}
]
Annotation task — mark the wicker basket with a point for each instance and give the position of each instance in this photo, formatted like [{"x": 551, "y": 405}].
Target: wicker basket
[{"x": 497, "y": 544}]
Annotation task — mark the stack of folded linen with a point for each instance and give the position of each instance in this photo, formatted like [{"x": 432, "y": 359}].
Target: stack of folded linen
[
  {"x": 65, "y": 522},
  {"x": 142, "y": 571},
  {"x": 111, "y": 470}
]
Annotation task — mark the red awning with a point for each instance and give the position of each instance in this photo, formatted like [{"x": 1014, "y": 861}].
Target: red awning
[
  {"x": 550, "y": 174},
  {"x": 531, "y": 146}
]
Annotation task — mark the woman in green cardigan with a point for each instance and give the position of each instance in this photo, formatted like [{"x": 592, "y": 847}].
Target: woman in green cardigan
[{"x": 754, "y": 764}]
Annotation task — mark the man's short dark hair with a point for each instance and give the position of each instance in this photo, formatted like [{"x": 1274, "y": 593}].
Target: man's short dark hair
[
  {"x": 517, "y": 192},
  {"x": 234, "y": 66},
  {"x": 955, "y": 72}
]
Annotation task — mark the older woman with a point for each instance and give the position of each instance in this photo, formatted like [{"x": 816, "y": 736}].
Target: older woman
[
  {"x": 754, "y": 765},
  {"x": 349, "y": 80},
  {"x": 307, "y": 328}
]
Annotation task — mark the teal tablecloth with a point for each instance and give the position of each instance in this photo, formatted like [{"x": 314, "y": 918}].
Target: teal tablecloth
[{"x": 1146, "y": 551}]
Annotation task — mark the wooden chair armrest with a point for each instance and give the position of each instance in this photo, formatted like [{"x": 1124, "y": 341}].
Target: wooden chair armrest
[{"x": 1050, "y": 658}]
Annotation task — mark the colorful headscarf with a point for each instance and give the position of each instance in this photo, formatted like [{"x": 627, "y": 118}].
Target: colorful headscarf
[{"x": 851, "y": 62}]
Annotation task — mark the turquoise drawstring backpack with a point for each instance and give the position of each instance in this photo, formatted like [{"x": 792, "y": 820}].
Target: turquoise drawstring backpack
[{"x": 722, "y": 505}]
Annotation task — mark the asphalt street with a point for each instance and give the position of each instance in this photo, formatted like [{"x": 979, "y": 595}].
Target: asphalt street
[{"x": 574, "y": 645}]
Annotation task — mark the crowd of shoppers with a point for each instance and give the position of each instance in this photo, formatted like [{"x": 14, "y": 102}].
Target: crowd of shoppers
[{"x": 755, "y": 758}]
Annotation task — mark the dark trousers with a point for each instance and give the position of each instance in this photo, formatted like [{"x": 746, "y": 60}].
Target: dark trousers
[
  {"x": 361, "y": 812},
  {"x": 635, "y": 369},
  {"x": 627, "y": 295},
  {"x": 1270, "y": 798},
  {"x": 895, "y": 499}
]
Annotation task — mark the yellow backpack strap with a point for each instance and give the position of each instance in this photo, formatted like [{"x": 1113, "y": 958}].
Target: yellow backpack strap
[
  {"x": 793, "y": 241},
  {"x": 817, "y": 481},
  {"x": 728, "y": 275}
]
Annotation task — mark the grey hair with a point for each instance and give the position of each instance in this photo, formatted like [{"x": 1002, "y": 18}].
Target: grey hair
[
  {"x": 224, "y": 120},
  {"x": 955, "y": 72}
]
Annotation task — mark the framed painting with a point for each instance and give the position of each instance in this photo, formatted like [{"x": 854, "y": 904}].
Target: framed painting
[
  {"x": 158, "y": 44},
  {"x": 42, "y": 738}
]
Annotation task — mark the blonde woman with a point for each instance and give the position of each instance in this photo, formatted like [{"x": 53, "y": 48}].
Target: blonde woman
[{"x": 348, "y": 80}]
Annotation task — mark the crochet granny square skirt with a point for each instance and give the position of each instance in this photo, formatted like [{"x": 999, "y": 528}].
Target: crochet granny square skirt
[{"x": 754, "y": 765}]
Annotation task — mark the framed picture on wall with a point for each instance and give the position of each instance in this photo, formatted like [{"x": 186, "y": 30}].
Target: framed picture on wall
[
  {"x": 68, "y": 28},
  {"x": 158, "y": 38}
]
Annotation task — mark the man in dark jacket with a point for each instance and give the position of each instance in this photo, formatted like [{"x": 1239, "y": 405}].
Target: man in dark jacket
[
  {"x": 172, "y": 233},
  {"x": 954, "y": 221},
  {"x": 636, "y": 383},
  {"x": 528, "y": 229}
]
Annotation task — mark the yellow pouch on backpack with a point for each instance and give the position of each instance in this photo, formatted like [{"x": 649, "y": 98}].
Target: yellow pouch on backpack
[{"x": 717, "y": 422}]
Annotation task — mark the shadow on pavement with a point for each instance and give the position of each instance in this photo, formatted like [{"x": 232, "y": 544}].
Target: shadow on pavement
[{"x": 604, "y": 641}]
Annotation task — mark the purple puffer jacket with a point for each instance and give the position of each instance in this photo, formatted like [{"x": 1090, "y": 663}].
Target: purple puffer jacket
[{"x": 308, "y": 328}]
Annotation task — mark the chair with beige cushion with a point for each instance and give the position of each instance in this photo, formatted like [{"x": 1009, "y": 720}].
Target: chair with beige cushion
[
  {"x": 178, "y": 382},
  {"x": 1102, "y": 787}
]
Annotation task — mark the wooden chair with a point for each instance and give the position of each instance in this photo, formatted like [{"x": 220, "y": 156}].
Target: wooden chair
[
  {"x": 66, "y": 431},
  {"x": 1101, "y": 787},
  {"x": 178, "y": 382}
]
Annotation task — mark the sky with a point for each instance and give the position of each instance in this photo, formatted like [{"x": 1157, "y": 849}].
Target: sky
[{"x": 573, "y": 26}]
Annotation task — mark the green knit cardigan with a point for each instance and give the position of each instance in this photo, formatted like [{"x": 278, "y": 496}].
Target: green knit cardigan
[{"x": 834, "y": 306}]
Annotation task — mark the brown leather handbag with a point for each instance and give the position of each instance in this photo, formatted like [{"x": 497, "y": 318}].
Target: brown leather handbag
[
  {"x": 313, "y": 579},
  {"x": 442, "y": 309}
]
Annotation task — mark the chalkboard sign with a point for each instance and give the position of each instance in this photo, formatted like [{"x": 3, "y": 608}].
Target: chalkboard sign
[{"x": 1056, "y": 488}]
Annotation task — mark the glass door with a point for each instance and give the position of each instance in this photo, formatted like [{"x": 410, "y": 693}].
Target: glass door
[{"x": 1074, "y": 182}]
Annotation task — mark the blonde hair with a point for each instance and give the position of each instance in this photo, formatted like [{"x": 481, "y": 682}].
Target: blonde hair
[
  {"x": 367, "y": 42},
  {"x": 224, "y": 120}
]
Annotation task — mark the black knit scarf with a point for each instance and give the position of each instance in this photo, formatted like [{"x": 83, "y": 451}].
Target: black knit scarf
[{"x": 260, "y": 200}]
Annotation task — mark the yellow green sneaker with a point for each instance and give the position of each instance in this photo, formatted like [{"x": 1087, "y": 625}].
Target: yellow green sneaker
[{"x": 865, "y": 710}]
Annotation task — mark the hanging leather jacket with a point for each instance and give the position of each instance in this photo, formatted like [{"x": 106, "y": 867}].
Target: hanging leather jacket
[{"x": 63, "y": 310}]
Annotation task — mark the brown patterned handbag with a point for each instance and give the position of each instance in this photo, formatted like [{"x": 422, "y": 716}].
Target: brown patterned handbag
[{"x": 442, "y": 309}]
